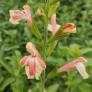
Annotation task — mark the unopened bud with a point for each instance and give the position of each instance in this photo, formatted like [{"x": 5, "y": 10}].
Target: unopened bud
[{"x": 69, "y": 28}]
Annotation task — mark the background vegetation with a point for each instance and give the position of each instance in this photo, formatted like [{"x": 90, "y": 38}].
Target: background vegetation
[{"x": 14, "y": 37}]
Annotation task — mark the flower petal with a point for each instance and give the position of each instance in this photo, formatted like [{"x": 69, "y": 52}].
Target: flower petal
[
  {"x": 28, "y": 73},
  {"x": 71, "y": 65},
  {"x": 28, "y": 14},
  {"x": 82, "y": 70},
  {"x": 42, "y": 63},
  {"x": 32, "y": 67},
  {"x": 50, "y": 27},
  {"x": 24, "y": 61},
  {"x": 68, "y": 67},
  {"x": 38, "y": 69},
  {"x": 53, "y": 23}
]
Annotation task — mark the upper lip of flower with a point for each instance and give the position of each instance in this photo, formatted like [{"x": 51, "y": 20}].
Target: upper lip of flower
[
  {"x": 17, "y": 15},
  {"x": 30, "y": 47},
  {"x": 69, "y": 25},
  {"x": 72, "y": 64}
]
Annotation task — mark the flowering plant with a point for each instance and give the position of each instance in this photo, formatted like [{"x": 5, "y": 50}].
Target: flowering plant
[{"x": 35, "y": 62}]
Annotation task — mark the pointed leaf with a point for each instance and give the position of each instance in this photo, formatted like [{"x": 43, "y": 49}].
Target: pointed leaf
[
  {"x": 58, "y": 35},
  {"x": 52, "y": 7},
  {"x": 41, "y": 13},
  {"x": 6, "y": 66},
  {"x": 18, "y": 85},
  {"x": 34, "y": 29},
  {"x": 51, "y": 48},
  {"x": 53, "y": 88},
  {"x": 86, "y": 50},
  {"x": 5, "y": 83},
  {"x": 52, "y": 74}
]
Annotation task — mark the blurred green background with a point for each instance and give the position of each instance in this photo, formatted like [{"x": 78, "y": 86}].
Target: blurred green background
[{"x": 14, "y": 37}]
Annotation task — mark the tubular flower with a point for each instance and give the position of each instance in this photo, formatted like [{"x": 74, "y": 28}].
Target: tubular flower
[
  {"x": 17, "y": 15},
  {"x": 53, "y": 23},
  {"x": 28, "y": 14},
  {"x": 69, "y": 28},
  {"x": 53, "y": 27},
  {"x": 34, "y": 64},
  {"x": 78, "y": 64}
]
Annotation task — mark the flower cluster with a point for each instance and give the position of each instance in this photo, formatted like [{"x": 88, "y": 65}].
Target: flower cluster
[{"x": 33, "y": 63}]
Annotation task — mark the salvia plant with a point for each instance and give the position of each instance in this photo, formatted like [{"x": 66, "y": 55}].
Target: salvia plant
[{"x": 35, "y": 62}]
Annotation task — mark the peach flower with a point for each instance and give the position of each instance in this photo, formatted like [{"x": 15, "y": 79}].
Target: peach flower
[
  {"x": 78, "y": 64},
  {"x": 17, "y": 15},
  {"x": 34, "y": 64},
  {"x": 67, "y": 28}
]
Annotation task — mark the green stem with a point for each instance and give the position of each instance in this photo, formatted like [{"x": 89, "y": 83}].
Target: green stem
[
  {"x": 45, "y": 46},
  {"x": 44, "y": 49}
]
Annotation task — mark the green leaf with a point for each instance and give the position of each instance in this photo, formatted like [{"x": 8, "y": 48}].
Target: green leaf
[
  {"x": 52, "y": 7},
  {"x": 41, "y": 13},
  {"x": 86, "y": 50},
  {"x": 53, "y": 61},
  {"x": 6, "y": 66},
  {"x": 5, "y": 83},
  {"x": 18, "y": 85},
  {"x": 85, "y": 87},
  {"x": 53, "y": 1},
  {"x": 51, "y": 48},
  {"x": 10, "y": 48},
  {"x": 15, "y": 63},
  {"x": 34, "y": 29},
  {"x": 53, "y": 88},
  {"x": 52, "y": 74},
  {"x": 64, "y": 51},
  {"x": 58, "y": 35},
  {"x": 74, "y": 50},
  {"x": 1, "y": 79}
]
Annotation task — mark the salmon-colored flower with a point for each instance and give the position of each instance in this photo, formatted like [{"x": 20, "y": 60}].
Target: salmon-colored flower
[
  {"x": 79, "y": 64},
  {"x": 34, "y": 64},
  {"x": 69, "y": 28},
  {"x": 17, "y": 15},
  {"x": 66, "y": 29},
  {"x": 53, "y": 23},
  {"x": 53, "y": 26},
  {"x": 28, "y": 14}
]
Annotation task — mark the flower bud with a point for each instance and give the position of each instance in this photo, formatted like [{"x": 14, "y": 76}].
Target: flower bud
[{"x": 69, "y": 28}]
